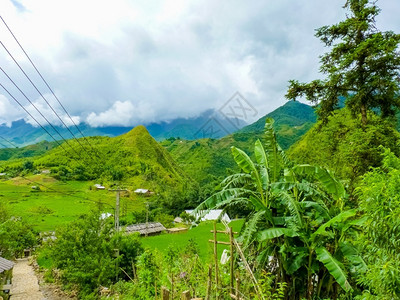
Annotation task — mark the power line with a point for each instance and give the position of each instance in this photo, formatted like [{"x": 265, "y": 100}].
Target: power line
[
  {"x": 22, "y": 70},
  {"x": 8, "y": 142},
  {"x": 19, "y": 103},
  {"x": 48, "y": 122},
  {"x": 51, "y": 90}
]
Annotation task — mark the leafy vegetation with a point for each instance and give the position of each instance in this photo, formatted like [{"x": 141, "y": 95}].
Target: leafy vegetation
[
  {"x": 344, "y": 146},
  {"x": 363, "y": 66},
  {"x": 319, "y": 223},
  {"x": 380, "y": 203},
  {"x": 299, "y": 227},
  {"x": 15, "y": 235}
]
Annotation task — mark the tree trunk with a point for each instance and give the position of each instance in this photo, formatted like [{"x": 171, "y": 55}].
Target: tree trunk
[{"x": 364, "y": 119}]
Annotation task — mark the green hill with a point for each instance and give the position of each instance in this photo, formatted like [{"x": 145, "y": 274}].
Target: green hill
[
  {"x": 28, "y": 151},
  {"x": 133, "y": 160}
]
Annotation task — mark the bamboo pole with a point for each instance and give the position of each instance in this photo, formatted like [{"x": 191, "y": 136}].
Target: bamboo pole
[
  {"x": 231, "y": 258},
  {"x": 165, "y": 293},
  {"x": 209, "y": 282},
  {"x": 216, "y": 260},
  {"x": 186, "y": 295}
]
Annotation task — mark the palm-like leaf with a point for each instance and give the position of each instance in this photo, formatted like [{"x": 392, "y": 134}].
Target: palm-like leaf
[
  {"x": 236, "y": 180},
  {"x": 272, "y": 152},
  {"x": 275, "y": 232},
  {"x": 246, "y": 164},
  {"x": 334, "y": 267},
  {"x": 293, "y": 207},
  {"x": 337, "y": 219},
  {"x": 352, "y": 255},
  {"x": 324, "y": 177}
]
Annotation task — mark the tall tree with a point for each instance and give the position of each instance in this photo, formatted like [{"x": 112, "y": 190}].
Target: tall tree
[{"x": 363, "y": 66}]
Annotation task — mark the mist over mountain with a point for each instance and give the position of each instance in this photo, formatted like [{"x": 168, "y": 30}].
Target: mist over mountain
[{"x": 209, "y": 124}]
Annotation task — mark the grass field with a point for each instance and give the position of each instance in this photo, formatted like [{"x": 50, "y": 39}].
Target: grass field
[
  {"x": 58, "y": 202},
  {"x": 200, "y": 234}
]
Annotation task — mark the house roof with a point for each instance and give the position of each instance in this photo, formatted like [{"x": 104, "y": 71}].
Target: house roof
[
  {"x": 5, "y": 264},
  {"x": 141, "y": 191},
  {"x": 143, "y": 228},
  {"x": 213, "y": 214}
]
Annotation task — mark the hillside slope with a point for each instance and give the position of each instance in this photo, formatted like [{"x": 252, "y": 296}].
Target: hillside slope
[
  {"x": 205, "y": 159},
  {"x": 134, "y": 160}
]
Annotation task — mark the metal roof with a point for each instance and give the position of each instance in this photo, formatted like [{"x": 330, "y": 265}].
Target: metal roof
[
  {"x": 213, "y": 214},
  {"x": 141, "y": 191},
  {"x": 5, "y": 264},
  {"x": 142, "y": 228}
]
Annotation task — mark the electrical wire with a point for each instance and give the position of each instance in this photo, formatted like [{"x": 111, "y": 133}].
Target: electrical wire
[
  {"x": 8, "y": 142},
  {"x": 19, "y": 103},
  {"x": 50, "y": 89},
  {"x": 22, "y": 70}
]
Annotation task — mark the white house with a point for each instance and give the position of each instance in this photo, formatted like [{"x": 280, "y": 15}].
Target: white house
[
  {"x": 99, "y": 187},
  {"x": 213, "y": 214}
]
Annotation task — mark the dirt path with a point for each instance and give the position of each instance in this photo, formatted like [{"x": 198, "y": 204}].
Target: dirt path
[{"x": 24, "y": 282}]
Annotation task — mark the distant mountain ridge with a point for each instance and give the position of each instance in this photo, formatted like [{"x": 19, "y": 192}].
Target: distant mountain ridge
[
  {"x": 203, "y": 158},
  {"x": 22, "y": 133}
]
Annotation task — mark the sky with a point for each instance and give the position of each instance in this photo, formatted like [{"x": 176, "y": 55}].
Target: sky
[{"x": 126, "y": 62}]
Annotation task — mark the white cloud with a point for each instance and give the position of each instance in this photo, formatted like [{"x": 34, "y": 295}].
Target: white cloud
[
  {"x": 8, "y": 112},
  {"x": 123, "y": 114},
  {"x": 168, "y": 59}
]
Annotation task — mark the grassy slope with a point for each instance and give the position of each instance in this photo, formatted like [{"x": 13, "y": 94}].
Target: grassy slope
[
  {"x": 201, "y": 234},
  {"x": 28, "y": 151},
  {"x": 144, "y": 163},
  {"x": 62, "y": 202}
]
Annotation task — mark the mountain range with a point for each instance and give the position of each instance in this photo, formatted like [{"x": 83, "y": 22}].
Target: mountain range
[
  {"x": 21, "y": 133},
  {"x": 204, "y": 159}
]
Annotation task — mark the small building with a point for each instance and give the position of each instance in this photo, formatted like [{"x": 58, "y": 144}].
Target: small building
[
  {"x": 144, "y": 192},
  {"x": 151, "y": 228},
  {"x": 104, "y": 216},
  {"x": 178, "y": 220},
  {"x": 212, "y": 215},
  {"x": 3, "y": 174},
  {"x": 5, "y": 264},
  {"x": 46, "y": 171},
  {"x": 99, "y": 187}
]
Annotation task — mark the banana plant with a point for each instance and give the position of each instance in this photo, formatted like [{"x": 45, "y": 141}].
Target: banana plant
[{"x": 297, "y": 218}]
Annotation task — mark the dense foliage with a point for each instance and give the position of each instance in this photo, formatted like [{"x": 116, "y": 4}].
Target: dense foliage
[
  {"x": 15, "y": 235},
  {"x": 379, "y": 199},
  {"x": 299, "y": 229},
  {"x": 344, "y": 146},
  {"x": 89, "y": 255}
]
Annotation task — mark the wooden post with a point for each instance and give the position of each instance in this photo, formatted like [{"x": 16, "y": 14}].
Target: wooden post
[
  {"x": 165, "y": 293},
  {"x": 216, "y": 260},
  {"x": 231, "y": 258},
  {"x": 237, "y": 287},
  {"x": 186, "y": 295},
  {"x": 209, "y": 282},
  {"x": 172, "y": 285}
]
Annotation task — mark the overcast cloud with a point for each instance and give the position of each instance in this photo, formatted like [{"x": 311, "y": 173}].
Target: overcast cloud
[{"x": 127, "y": 63}]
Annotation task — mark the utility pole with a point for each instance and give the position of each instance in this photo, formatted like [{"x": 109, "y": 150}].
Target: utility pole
[{"x": 116, "y": 214}]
